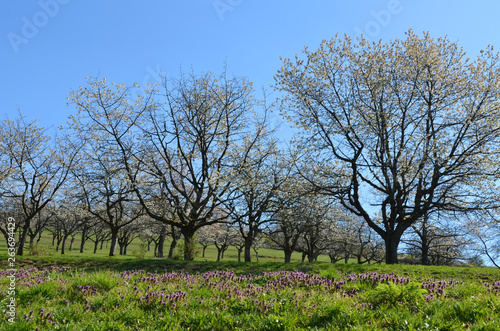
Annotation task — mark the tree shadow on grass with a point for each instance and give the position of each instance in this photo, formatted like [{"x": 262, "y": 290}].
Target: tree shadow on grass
[{"x": 163, "y": 265}]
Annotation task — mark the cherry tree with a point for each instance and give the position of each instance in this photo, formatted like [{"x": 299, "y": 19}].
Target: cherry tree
[
  {"x": 39, "y": 165},
  {"x": 103, "y": 188},
  {"x": 174, "y": 142},
  {"x": 397, "y": 130},
  {"x": 258, "y": 172},
  {"x": 292, "y": 217}
]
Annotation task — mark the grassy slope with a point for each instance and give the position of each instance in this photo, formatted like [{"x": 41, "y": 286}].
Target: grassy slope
[
  {"x": 468, "y": 304},
  {"x": 269, "y": 260},
  {"x": 90, "y": 264},
  {"x": 231, "y": 254},
  {"x": 97, "y": 297}
]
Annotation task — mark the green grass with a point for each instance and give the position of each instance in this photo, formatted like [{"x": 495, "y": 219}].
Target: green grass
[
  {"x": 231, "y": 254},
  {"x": 203, "y": 295},
  {"x": 97, "y": 292}
]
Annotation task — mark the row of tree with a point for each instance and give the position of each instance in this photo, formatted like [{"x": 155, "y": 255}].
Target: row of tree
[
  {"x": 399, "y": 136},
  {"x": 334, "y": 233}
]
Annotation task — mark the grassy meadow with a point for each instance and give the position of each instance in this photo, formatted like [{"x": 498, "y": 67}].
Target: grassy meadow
[
  {"x": 138, "y": 248},
  {"x": 96, "y": 292}
]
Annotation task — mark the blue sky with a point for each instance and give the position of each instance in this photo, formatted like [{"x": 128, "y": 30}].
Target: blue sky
[{"x": 49, "y": 46}]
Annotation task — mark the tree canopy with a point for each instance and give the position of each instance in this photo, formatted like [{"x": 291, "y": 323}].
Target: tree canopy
[{"x": 398, "y": 129}]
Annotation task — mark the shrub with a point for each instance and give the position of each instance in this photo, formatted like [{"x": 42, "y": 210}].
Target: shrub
[
  {"x": 36, "y": 250},
  {"x": 140, "y": 253}
]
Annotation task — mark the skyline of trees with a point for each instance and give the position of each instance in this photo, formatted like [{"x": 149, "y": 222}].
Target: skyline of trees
[{"x": 383, "y": 155}]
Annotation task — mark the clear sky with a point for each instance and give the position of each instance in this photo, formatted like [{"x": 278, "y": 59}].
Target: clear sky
[{"x": 49, "y": 46}]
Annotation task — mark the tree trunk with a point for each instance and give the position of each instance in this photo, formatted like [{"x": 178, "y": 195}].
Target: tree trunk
[
  {"x": 239, "y": 253},
  {"x": 256, "y": 255},
  {"x": 425, "y": 254},
  {"x": 224, "y": 248},
  {"x": 122, "y": 243},
  {"x": 63, "y": 244},
  {"x": 114, "y": 239},
  {"x": 71, "y": 243},
  {"x": 391, "y": 249},
  {"x": 248, "y": 247},
  {"x": 32, "y": 239},
  {"x": 219, "y": 250},
  {"x": 203, "y": 252},
  {"x": 22, "y": 239},
  {"x": 171, "y": 249},
  {"x": 288, "y": 255},
  {"x": 189, "y": 244},
  {"x": 425, "y": 242},
  {"x": 159, "y": 248},
  {"x": 82, "y": 243},
  {"x": 96, "y": 244},
  {"x": 161, "y": 244},
  {"x": 311, "y": 256}
]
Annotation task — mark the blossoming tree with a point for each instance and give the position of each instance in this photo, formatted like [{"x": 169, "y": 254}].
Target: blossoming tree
[{"x": 398, "y": 129}]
